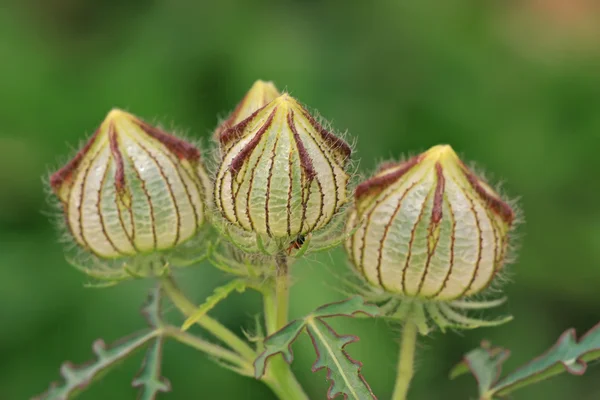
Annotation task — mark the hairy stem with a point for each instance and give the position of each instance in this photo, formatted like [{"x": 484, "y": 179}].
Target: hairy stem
[
  {"x": 214, "y": 327},
  {"x": 406, "y": 360},
  {"x": 276, "y": 303}
]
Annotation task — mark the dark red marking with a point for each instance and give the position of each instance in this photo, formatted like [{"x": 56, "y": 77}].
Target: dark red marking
[
  {"x": 438, "y": 198},
  {"x": 497, "y": 205},
  {"x": 239, "y": 159},
  {"x": 378, "y": 183},
  {"x": 335, "y": 142},
  {"x": 234, "y": 132},
  {"x": 116, "y": 152},
  {"x": 229, "y": 121},
  {"x": 65, "y": 173},
  {"x": 181, "y": 148},
  {"x": 305, "y": 160}
]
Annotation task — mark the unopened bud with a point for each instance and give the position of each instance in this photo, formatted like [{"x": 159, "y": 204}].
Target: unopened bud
[
  {"x": 282, "y": 174},
  {"x": 429, "y": 228},
  {"x": 132, "y": 189}
]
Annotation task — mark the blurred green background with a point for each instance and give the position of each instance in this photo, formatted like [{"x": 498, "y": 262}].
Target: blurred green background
[{"x": 511, "y": 85}]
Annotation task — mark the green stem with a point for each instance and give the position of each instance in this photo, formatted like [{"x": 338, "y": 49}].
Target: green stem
[
  {"x": 208, "y": 348},
  {"x": 406, "y": 360},
  {"x": 276, "y": 303},
  {"x": 282, "y": 290},
  {"x": 218, "y": 330}
]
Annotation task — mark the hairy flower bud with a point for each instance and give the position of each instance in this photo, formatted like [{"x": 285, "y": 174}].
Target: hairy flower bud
[
  {"x": 259, "y": 95},
  {"x": 429, "y": 228},
  {"x": 132, "y": 189},
  {"x": 282, "y": 174}
]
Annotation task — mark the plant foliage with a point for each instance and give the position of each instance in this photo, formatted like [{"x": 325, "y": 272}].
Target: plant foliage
[
  {"x": 343, "y": 372},
  {"x": 567, "y": 355},
  {"x": 77, "y": 378}
]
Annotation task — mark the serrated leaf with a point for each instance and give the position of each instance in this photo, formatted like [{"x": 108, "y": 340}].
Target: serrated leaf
[
  {"x": 78, "y": 378},
  {"x": 279, "y": 342},
  {"x": 149, "y": 378},
  {"x": 342, "y": 371},
  {"x": 211, "y": 301},
  {"x": 567, "y": 355}
]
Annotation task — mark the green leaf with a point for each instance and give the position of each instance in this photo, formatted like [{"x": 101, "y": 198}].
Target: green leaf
[
  {"x": 567, "y": 355},
  {"x": 149, "y": 378},
  {"x": 218, "y": 295},
  {"x": 486, "y": 365},
  {"x": 279, "y": 342},
  {"x": 342, "y": 371},
  {"x": 78, "y": 378}
]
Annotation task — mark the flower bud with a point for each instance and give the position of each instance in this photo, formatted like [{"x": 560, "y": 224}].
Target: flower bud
[
  {"x": 282, "y": 174},
  {"x": 132, "y": 189},
  {"x": 259, "y": 95},
  {"x": 429, "y": 228}
]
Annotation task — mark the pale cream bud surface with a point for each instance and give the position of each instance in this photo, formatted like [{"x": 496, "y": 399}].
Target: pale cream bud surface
[
  {"x": 429, "y": 228},
  {"x": 132, "y": 189},
  {"x": 282, "y": 174}
]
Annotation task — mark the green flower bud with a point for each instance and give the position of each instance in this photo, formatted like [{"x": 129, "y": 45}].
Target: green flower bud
[
  {"x": 282, "y": 175},
  {"x": 132, "y": 189},
  {"x": 429, "y": 228},
  {"x": 259, "y": 95}
]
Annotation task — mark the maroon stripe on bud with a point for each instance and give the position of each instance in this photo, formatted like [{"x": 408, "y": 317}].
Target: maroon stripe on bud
[
  {"x": 229, "y": 121},
  {"x": 305, "y": 160},
  {"x": 497, "y": 205},
  {"x": 63, "y": 174},
  {"x": 438, "y": 197},
  {"x": 181, "y": 148},
  {"x": 116, "y": 152},
  {"x": 335, "y": 142},
  {"x": 378, "y": 183},
  {"x": 230, "y": 133},
  {"x": 239, "y": 159}
]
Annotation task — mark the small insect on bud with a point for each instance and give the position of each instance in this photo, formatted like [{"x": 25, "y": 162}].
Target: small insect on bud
[
  {"x": 132, "y": 189},
  {"x": 429, "y": 228},
  {"x": 259, "y": 95},
  {"x": 282, "y": 175}
]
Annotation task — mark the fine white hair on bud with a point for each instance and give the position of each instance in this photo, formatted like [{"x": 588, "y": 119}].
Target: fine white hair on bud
[
  {"x": 282, "y": 175},
  {"x": 429, "y": 228},
  {"x": 132, "y": 189}
]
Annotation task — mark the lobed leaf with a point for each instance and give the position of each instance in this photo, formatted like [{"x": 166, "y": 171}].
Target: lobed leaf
[
  {"x": 567, "y": 355},
  {"x": 279, "y": 342},
  {"x": 343, "y": 372},
  {"x": 78, "y": 378}
]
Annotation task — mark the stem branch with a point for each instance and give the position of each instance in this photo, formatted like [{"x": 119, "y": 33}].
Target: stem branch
[
  {"x": 208, "y": 348},
  {"x": 218, "y": 330},
  {"x": 406, "y": 360}
]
